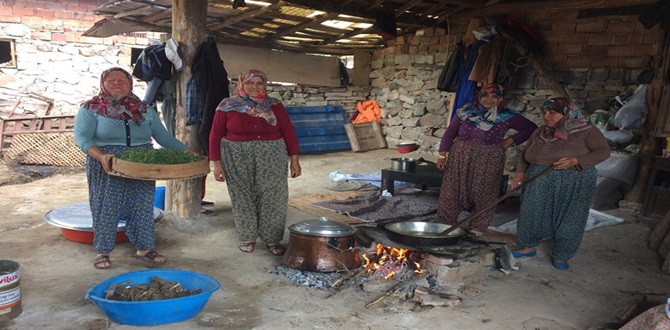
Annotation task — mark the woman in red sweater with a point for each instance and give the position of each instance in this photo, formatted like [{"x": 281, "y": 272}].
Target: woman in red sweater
[{"x": 250, "y": 141}]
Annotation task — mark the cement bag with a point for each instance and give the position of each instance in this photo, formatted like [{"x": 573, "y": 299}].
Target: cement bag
[{"x": 634, "y": 112}]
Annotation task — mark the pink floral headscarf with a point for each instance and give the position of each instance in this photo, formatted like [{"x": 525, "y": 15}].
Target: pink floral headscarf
[{"x": 259, "y": 106}]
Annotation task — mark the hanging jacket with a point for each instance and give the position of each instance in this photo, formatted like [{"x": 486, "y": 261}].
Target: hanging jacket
[
  {"x": 212, "y": 80},
  {"x": 448, "y": 81},
  {"x": 153, "y": 63}
]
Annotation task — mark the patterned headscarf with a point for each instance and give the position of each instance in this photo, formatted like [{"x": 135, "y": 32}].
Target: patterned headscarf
[
  {"x": 122, "y": 107},
  {"x": 572, "y": 122},
  {"x": 483, "y": 118},
  {"x": 259, "y": 106}
]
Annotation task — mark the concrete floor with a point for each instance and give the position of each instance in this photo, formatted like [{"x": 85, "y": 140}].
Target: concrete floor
[{"x": 612, "y": 270}]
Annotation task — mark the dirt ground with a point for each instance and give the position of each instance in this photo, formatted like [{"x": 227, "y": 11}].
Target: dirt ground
[{"x": 612, "y": 271}]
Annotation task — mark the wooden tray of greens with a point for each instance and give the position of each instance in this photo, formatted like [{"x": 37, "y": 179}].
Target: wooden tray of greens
[{"x": 159, "y": 164}]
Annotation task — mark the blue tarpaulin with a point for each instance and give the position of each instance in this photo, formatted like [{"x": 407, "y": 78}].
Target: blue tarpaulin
[{"x": 319, "y": 128}]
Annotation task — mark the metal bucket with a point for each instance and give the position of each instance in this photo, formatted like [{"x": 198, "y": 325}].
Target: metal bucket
[{"x": 10, "y": 290}]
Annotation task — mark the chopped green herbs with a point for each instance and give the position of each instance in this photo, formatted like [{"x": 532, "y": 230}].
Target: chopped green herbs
[{"x": 163, "y": 156}]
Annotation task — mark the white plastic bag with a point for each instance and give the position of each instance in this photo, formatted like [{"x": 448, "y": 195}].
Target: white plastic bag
[{"x": 634, "y": 112}]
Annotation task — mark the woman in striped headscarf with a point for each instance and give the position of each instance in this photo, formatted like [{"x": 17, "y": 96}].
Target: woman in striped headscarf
[{"x": 472, "y": 155}]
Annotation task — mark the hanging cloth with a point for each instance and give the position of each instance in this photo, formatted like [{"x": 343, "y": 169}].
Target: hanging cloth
[
  {"x": 368, "y": 111},
  {"x": 466, "y": 87}
]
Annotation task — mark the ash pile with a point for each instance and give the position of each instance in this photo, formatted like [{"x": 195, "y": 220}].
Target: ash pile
[{"x": 297, "y": 277}]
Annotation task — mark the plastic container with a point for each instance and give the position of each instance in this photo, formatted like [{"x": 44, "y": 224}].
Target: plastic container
[
  {"x": 154, "y": 312},
  {"x": 76, "y": 222},
  {"x": 159, "y": 197},
  {"x": 10, "y": 290},
  {"x": 406, "y": 147}
]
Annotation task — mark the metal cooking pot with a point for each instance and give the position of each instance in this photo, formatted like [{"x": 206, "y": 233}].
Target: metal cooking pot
[
  {"x": 322, "y": 245},
  {"x": 415, "y": 233},
  {"x": 404, "y": 164}
]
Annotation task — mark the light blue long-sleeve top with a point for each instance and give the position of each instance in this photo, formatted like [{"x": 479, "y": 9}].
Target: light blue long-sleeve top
[{"x": 92, "y": 129}]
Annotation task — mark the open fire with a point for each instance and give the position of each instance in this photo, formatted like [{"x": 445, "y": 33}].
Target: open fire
[{"x": 388, "y": 262}]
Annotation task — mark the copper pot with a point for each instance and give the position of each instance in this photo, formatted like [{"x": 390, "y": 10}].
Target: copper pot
[{"x": 322, "y": 245}]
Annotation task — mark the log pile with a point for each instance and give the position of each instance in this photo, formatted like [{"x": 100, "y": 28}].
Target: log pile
[{"x": 659, "y": 240}]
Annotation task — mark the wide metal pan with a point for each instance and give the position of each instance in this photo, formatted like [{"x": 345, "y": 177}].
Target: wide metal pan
[{"x": 416, "y": 233}]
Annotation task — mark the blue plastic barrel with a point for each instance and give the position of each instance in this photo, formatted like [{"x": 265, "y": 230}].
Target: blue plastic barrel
[{"x": 159, "y": 197}]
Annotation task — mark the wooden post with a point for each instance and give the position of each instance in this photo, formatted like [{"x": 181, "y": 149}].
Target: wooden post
[
  {"x": 188, "y": 29},
  {"x": 648, "y": 144},
  {"x": 658, "y": 97}
]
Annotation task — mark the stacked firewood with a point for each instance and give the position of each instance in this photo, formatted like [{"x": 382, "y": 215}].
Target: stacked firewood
[{"x": 659, "y": 240}]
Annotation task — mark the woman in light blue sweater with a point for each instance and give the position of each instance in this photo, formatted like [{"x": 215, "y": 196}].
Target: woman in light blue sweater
[{"x": 114, "y": 121}]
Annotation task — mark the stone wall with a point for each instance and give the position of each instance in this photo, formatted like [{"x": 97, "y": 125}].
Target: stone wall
[
  {"x": 297, "y": 95},
  {"x": 595, "y": 59},
  {"x": 55, "y": 61}
]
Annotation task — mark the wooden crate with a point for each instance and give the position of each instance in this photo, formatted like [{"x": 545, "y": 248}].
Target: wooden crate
[
  {"x": 154, "y": 172},
  {"x": 365, "y": 136}
]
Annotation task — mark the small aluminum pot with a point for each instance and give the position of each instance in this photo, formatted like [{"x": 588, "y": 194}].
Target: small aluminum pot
[
  {"x": 404, "y": 164},
  {"x": 322, "y": 245}
]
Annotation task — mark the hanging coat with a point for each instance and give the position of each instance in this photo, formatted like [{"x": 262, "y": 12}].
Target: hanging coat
[{"x": 212, "y": 80}]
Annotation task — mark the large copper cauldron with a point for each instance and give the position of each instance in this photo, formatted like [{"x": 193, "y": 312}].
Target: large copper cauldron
[{"x": 322, "y": 245}]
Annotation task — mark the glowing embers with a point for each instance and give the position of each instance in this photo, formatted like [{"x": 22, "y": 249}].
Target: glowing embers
[{"x": 388, "y": 262}]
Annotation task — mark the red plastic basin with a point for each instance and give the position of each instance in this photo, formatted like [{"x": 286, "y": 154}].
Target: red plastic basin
[
  {"x": 405, "y": 148},
  {"x": 86, "y": 237}
]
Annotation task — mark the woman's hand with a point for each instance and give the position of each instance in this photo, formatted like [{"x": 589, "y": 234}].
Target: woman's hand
[
  {"x": 106, "y": 161},
  {"x": 441, "y": 161},
  {"x": 506, "y": 143},
  {"x": 219, "y": 174},
  {"x": 518, "y": 179},
  {"x": 295, "y": 168},
  {"x": 192, "y": 152},
  {"x": 565, "y": 163}
]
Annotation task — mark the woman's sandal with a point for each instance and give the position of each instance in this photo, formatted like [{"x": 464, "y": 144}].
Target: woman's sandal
[
  {"x": 247, "y": 247},
  {"x": 102, "y": 262},
  {"x": 276, "y": 249},
  {"x": 152, "y": 256}
]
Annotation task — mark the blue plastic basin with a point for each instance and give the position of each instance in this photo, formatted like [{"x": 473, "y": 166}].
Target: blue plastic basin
[{"x": 154, "y": 312}]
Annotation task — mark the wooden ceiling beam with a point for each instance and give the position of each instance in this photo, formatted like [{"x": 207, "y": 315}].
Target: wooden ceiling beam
[
  {"x": 432, "y": 10},
  {"x": 136, "y": 11},
  {"x": 347, "y": 35},
  {"x": 472, "y": 4},
  {"x": 374, "y": 4},
  {"x": 167, "y": 13},
  {"x": 353, "y": 10},
  {"x": 325, "y": 30},
  {"x": 550, "y": 6},
  {"x": 247, "y": 14},
  {"x": 409, "y": 5},
  {"x": 314, "y": 22}
]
